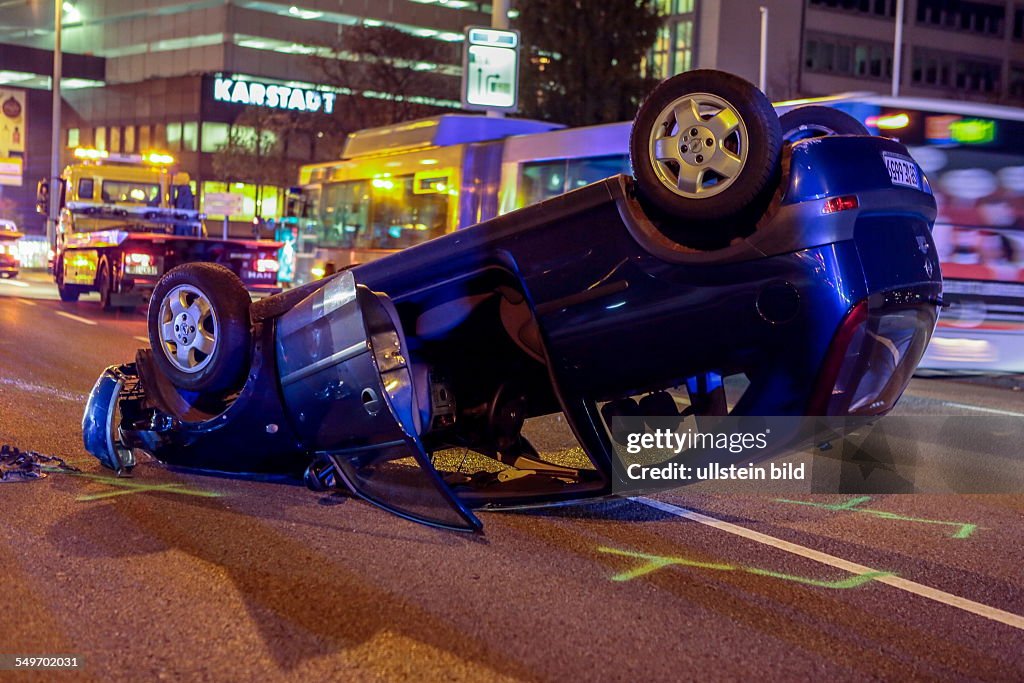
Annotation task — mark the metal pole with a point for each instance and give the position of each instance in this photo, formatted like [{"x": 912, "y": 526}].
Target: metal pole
[
  {"x": 499, "y": 14},
  {"x": 499, "y": 19},
  {"x": 763, "y": 67},
  {"x": 55, "y": 136},
  {"x": 897, "y": 49}
]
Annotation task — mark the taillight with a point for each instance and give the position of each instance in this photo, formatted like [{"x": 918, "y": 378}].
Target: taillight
[
  {"x": 872, "y": 358},
  {"x": 851, "y": 324},
  {"x": 138, "y": 259},
  {"x": 267, "y": 265},
  {"x": 837, "y": 204},
  {"x": 136, "y": 263}
]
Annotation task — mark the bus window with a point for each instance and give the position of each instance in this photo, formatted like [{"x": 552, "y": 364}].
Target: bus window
[
  {"x": 343, "y": 212},
  {"x": 582, "y": 172},
  {"x": 540, "y": 180},
  {"x": 401, "y": 218}
]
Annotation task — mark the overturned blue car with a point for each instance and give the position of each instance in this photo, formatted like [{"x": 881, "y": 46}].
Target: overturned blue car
[{"x": 795, "y": 254}]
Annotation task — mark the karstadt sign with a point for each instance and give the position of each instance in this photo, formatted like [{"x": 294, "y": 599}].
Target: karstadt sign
[{"x": 272, "y": 95}]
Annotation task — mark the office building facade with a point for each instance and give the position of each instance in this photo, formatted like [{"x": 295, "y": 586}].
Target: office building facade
[{"x": 188, "y": 76}]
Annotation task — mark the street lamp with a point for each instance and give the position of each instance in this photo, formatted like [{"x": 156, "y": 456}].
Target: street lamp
[
  {"x": 60, "y": 8},
  {"x": 55, "y": 136}
]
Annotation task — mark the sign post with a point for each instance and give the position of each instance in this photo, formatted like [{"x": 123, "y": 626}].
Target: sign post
[{"x": 490, "y": 70}]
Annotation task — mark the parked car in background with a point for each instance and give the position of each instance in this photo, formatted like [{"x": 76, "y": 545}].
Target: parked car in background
[{"x": 9, "y": 236}]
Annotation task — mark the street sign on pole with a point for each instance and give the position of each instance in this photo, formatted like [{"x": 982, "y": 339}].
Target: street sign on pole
[
  {"x": 224, "y": 204},
  {"x": 490, "y": 69}
]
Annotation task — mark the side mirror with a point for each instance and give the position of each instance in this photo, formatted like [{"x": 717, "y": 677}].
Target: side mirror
[{"x": 43, "y": 197}]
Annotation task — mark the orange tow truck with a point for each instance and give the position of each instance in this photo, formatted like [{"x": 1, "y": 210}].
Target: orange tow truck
[{"x": 125, "y": 220}]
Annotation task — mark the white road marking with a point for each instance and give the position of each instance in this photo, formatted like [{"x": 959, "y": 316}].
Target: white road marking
[
  {"x": 77, "y": 319},
  {"x": 993, "y": 613},
  {"x": 26, "y": 302},
  {"x": 40, "y": 389},
  {"x": 994, "y": 411},
  {"x": 144, "y": 340},
  {"x": 13, "y": 283}
]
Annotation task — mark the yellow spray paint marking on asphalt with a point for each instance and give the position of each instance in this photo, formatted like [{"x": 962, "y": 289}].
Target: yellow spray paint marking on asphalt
[
  {"x": 652, "y": 563},
  {"x": 130, "y": 486},
  {"x": 964, "y": 529}
]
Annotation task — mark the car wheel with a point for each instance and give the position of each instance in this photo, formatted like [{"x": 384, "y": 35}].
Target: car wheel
[
  {"x": 705, "y": 149},
  {"x": 68, "y": 293},
  {"x": 104, "y": 286},
  {"x": 199, "y": 327},
  {"x": 815, "y": 121}
]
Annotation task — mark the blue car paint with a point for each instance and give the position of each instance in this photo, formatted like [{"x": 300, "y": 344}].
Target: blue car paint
[{"x": 620, "y": 309}]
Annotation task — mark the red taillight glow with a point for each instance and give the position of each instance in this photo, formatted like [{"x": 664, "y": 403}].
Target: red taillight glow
[
  {"x": 267, "y": 265},
  {"x": 851, "y": 324},
  {"x": 144, "y": 260},
  {"x": 836, "y": 204}
]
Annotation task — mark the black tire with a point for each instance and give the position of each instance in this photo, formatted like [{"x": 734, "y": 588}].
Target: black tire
[
  {"x": 815, "y": 121},
  {"x": 68, "y": 293},
  {"x": 735, "y": 168},
  {"x": 199, "y": 327},
  {"x": 104, "y": 285}
]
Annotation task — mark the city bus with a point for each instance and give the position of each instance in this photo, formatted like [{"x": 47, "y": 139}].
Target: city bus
[
  {"x": 357, "y": 209},
  {"x": 974, "y": 159},
  {"x": 398, "y": 186}
]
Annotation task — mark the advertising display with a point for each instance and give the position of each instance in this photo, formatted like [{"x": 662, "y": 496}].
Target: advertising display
[{"x": 12, "y": 136}]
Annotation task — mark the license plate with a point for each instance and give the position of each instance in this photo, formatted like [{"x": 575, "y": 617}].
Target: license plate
[
  {"x": 141, "y": 270},
  {"x": 902, "y": 170}
]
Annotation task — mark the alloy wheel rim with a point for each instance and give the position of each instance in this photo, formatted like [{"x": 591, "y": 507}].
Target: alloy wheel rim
[
  {"x": 698, "y": 145},
  {"x": 189, "y": 330}
]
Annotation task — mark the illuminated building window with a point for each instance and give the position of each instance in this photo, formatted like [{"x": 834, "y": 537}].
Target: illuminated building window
[
  {"x": 73, "y": 137},
  {"x": 100, "y": 141},
  {"x": 260, "y": 200},
  {"x": 672, "y": 52},
  {"x": 189, "y": 136},
  {"x": 129, "y": 140},
  {"x": 215, "y": 136},
  {"x": 174, "y": 136}
]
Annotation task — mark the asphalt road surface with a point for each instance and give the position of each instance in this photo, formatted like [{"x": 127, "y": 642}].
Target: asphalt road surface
[{"x": 179, "y": 576}]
